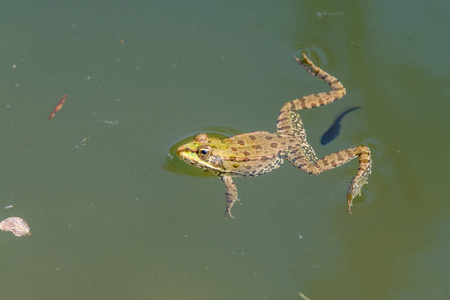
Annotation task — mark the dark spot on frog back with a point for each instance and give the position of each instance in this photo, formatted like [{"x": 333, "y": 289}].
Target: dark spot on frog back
[{"x": 241, "y": 142}]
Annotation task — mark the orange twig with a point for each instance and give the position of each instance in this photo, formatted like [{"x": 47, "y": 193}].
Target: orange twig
[{"x": 58, "y": 107}]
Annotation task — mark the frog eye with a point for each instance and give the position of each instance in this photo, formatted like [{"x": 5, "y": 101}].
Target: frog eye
[{"x": 204, "y": 152}]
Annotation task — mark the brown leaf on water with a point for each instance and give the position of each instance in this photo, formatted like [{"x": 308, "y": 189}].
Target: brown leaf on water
[{"x": 16, "y": 225}]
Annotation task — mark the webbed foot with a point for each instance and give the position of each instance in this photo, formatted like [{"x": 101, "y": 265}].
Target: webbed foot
[
  {"x": 228, "y": 212},
  {"x": 360, "y": 179}
]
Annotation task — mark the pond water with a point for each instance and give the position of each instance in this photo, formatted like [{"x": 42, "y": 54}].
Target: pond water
[{"x": 114, "y": 215}]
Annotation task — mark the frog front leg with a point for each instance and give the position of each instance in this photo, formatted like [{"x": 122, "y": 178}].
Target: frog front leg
[
  {"x": 231, "y": 193},
  {"x": 334, "y": 160}
]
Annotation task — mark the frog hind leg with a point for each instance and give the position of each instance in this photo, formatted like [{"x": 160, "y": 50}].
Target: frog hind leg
[
  {"x": 334, "y": 160},
  {"x": 284, "y": 124},
  {"x": 289, "y": 122},
  {"x": 231, "y": 193}
]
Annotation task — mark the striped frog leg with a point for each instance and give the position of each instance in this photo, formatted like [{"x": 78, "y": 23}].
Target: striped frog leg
[
  {"x": 302, "y": 155},
  {"x": 335, "y": 160},
  {"x": 290, "y": 123}
]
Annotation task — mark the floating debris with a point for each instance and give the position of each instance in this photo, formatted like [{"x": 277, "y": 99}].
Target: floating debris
[
  {"x": 327, "y": 13},
  {"x": 110, "y": 122},
  {"x": 18, "y": 226},
  {"x": 58, "y": 107},
  {"x": 83, "y": 142},
  {"x": 303, "y": 296},
  {"x": 8, "y": 207}
]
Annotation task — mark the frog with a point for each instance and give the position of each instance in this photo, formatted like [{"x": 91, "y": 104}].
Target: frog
[{"x": 257, "y": 153}]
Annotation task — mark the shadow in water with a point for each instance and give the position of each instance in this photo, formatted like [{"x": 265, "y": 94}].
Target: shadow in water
[{"x": 335, "y": 128}]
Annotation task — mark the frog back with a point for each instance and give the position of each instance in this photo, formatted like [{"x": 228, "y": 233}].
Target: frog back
[{"x": 252, "y": 154}]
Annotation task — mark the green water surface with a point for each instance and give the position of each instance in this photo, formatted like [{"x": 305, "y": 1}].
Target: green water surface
[{"x": 114, "y": 216}]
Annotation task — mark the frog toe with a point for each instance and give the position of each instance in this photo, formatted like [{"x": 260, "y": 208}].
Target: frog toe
[{"x": 228, "y": 213}]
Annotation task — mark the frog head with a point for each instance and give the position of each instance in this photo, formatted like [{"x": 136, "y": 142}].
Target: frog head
[{"x": 202, "y": 152}]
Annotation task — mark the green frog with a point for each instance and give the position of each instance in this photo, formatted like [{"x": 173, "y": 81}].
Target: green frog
[{"x": 257, "y": 153}]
